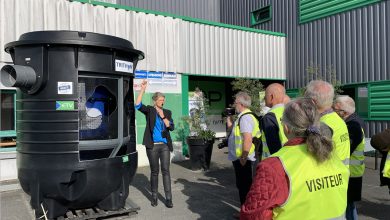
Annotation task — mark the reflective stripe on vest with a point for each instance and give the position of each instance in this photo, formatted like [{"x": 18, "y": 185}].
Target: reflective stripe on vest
[
  {"x": 317, "y": 190},
  {"x": 340, "y": 136},
  {"x": 278, "y": 111},
  {"x": 356, "y": 163},
  {"x": 237, "y": 135},
  {"x": 386, "y": 169}
]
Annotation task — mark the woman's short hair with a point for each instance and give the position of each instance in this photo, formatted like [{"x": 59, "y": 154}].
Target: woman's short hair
[
  {"x": 346, "y": 103},
  {"x": 157, "y": 95}
]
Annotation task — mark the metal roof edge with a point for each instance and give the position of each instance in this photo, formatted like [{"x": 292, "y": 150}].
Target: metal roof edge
[{"x": 184, "y": 18}]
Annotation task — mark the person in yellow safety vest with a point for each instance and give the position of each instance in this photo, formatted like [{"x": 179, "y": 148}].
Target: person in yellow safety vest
[
  {"x": 322, "y": 94},
  {"x": 345, "y": 108},
  {"x": 272, "y": 136},
  {"x": 386, "y": 168},
  {"x": 241, "y": 150},
  {"x": 304, "y": 179}
]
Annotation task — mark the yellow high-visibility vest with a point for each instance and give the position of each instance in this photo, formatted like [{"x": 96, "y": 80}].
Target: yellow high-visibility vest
[
  {"x": 238, "y": 138},
  {"x": 340, "y": 136},
  {"x": 356, "y": 163},
  {"x": 386, "y": 169},
  {"x": 278, "y": 111},
  {"x": 317, "y": 190}
]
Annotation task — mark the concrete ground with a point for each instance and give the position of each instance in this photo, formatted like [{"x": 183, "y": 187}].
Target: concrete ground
[{"x": 199, "y": 195}]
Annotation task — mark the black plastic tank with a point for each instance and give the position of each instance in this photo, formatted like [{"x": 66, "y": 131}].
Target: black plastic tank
[{"x": 75, "y": 119}]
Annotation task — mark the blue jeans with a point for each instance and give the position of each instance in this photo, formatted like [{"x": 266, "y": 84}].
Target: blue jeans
[{"x": 351, "y": 212}]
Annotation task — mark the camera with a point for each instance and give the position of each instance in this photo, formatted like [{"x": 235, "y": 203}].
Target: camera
[
  {"x": 223, "y": 144},
  {"x": 228, "y": 112}
]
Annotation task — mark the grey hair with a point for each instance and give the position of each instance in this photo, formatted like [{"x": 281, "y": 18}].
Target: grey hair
[
  {"x": 320, "y": 91},
  {"x": 157, "y": 95},
  {"x": 347, "y": 104},
  {"x": 244, "y": 99},
  {"x": 301, "y": 118}
]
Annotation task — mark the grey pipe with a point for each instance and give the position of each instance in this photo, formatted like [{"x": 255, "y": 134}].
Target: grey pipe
[{"x": 18, "y": 76}]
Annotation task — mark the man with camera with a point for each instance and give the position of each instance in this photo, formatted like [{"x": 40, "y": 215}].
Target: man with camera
[{"x": 241, "y": 150}]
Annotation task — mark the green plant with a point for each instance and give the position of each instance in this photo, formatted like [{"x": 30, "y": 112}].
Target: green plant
[
  {"x": 197, "y": 120},
  {"x": 253, "y": 87},
  {"x": 314, "y": 72}
]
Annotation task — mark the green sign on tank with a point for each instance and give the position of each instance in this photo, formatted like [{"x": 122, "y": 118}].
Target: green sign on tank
[{"x": 64, "y": 105}]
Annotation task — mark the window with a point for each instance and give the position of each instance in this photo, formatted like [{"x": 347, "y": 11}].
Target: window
[
  {"x": 260, "y": 15},
  {"x": 362, "y": 103}
]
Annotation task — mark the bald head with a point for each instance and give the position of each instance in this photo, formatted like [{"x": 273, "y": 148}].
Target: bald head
[
  {"x": 321, "y": 92},
  {"x": 274, "y": 94}
]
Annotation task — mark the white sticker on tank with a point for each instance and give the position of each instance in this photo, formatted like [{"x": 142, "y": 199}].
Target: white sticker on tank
[
  {"x": 65, "y": 88},
  {"x": 123, "y": 66}
]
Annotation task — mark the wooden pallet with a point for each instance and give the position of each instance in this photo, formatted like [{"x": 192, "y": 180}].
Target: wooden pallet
[
  {"x": 8, "y": 144},
  {"x": 96, "y": 213}
]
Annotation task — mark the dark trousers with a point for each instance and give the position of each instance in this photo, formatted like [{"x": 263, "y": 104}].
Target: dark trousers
[
  {"x": 160, "y": 152},
  {"x": 244, "y": 176}
]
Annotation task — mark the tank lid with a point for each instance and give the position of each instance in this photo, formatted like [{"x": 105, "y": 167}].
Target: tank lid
[{"x": 74, "y": 38}]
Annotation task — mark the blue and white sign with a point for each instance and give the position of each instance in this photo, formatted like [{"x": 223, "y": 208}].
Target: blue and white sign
[
  {"x": 141, "y": 74},
  {"x": 123, "y": 66},
  {"x": 169, "y": 75},
  {"x": 155, "y": 75},
  {"x": 158, "y": 81}
]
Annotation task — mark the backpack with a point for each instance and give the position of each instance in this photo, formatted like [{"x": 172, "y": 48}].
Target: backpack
[{"x": 255, "y": 140}]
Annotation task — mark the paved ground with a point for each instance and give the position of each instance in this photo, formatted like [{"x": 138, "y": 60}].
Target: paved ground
[{"x": 200, "y": 195}]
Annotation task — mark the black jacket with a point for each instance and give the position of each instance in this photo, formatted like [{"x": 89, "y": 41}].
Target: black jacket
[
  {"x": 270, "y": 127},
  {"x": 150, "y": 114}
]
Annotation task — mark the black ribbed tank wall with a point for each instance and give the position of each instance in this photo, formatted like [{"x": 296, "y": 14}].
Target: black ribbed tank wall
[{"x": 39, "y": 125}]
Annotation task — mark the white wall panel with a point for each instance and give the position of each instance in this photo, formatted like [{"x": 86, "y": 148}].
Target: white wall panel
[
  {"x": 169, "y": 44},
  {"x": 233, "y": 53}
]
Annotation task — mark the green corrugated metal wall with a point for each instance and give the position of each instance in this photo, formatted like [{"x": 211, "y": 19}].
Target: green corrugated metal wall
[
  {"x": 314, "y": 9},
  {"x": 379, "y": 101}
]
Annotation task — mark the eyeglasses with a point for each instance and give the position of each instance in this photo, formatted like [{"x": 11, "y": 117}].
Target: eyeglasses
[{"x": 339, "y": 110}]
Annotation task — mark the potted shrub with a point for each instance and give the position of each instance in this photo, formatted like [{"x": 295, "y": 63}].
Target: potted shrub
[{"x": 201, "y": 139}]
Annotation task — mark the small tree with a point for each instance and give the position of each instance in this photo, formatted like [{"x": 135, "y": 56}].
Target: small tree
[
  {"x": 253, "y": 87},
  {"x": 197, "y": 119},
  {"x": 314, "y": 72}
]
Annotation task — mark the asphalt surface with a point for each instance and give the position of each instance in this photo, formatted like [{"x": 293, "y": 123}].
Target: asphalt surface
[{"x": 198, "y": 195}]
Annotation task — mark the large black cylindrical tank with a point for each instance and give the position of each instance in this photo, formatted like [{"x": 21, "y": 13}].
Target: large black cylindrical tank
[{"x": 75, "y": 119}]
